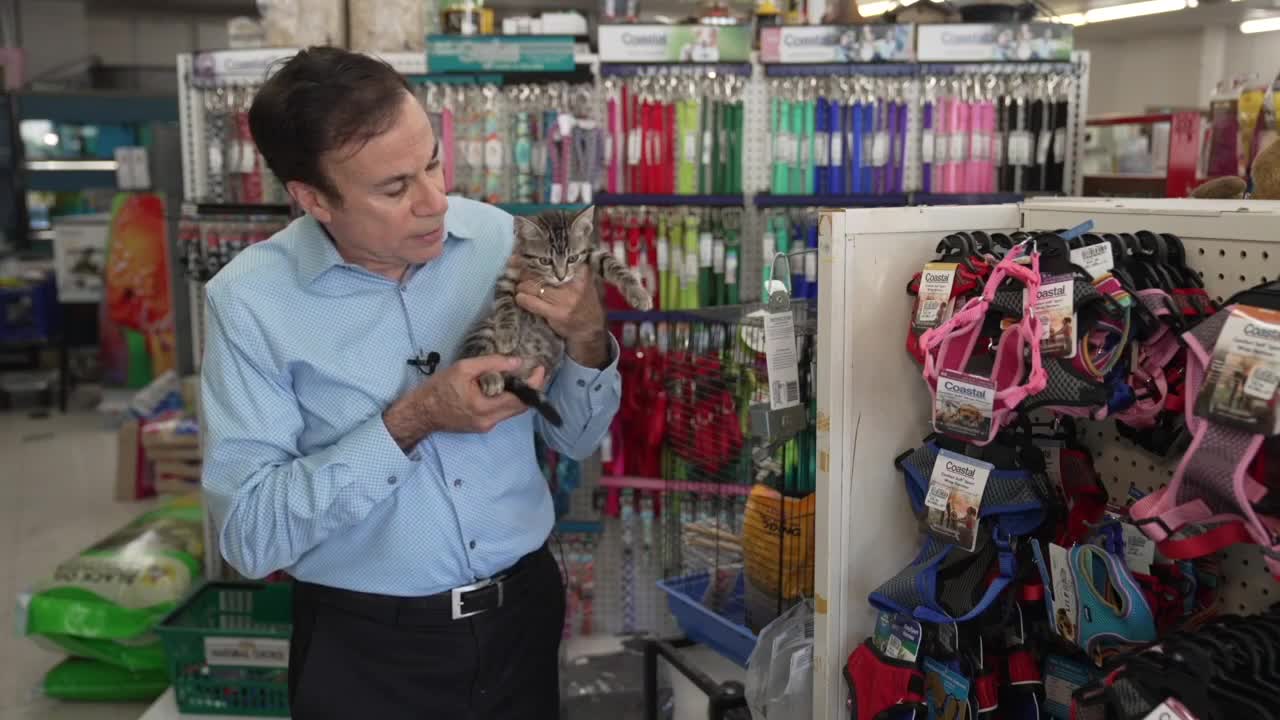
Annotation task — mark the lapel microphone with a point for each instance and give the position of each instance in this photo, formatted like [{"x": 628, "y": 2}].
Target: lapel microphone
[{"x": 427, "y": 365}]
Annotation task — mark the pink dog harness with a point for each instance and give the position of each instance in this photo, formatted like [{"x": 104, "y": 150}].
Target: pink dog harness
[
  {"x": 1209, "y": 503},
  {"x": 950, "y": 346}
]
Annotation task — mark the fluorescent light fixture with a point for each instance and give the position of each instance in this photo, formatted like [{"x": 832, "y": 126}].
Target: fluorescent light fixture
[
  {"x": 51, "y": 138},
  {"x": 1193, "y": 3},
  {"x": 872, "y": 9},
  {"x": 1132, "y": 10},
  {"x": 1270, "y": 24},
  {"x": 1076, "y": 19}
]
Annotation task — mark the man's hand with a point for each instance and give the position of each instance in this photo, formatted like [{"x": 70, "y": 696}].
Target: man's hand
[
  {"x": 574, "y": 311},
  {"x": 451, "y": 401}
]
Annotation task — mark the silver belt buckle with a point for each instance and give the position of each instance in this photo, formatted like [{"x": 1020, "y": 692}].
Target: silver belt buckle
[{"x": 456, "y": 597}]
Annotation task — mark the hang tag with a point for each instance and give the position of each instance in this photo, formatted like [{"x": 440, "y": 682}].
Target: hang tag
[
  {"x": 981, "y": 147},
  {"x": 586, "y": 194},
  {"x": 691, "y": 147},
  {"x": 1244, "y": 372},
  {"x": 635, "y": 146},
  {"x": 664, "y": 255},
  {"x": 837, "y": 151},
  {"x": 1060, "y": 145},
  {"x": 557, "y": 193},
  {"x": 811, "y": 267},
  {"x": 620, "y": 251},
  {"x": 950, "y": 697},
  {"x": 1062, "y": 677},
  {"x": 927, "y": 141},
  {"x": 1064, "y": 593},
  {"x": 571, "y": 195},
  {"x": 880, "y": 149},
  {"x": 803, "y": 151},
  {"x": 706, "y": 147},
  {"x": 565, "y": 121},
  {"x": 868, "y": 145},
  {"x": 959, "y": 151},
  {"x": 955, "y": 497},
  {"x": 717, "y": 256},
  {"x": 475, "y": 153},
  {"x": 731, "y": 268},
  {"x": 1055, "y": 306},
  {"x": 606, "y": 448},
  {"x": 997, "y": 150},
  {"x": 963, "y": 406},
  {"x": 493, "y": 157},
  {"x": 1139, "y": 550},
  {"x": 1170, "y": 709},
  {"x": 822, "y": 149},
  {"x": 1052, "y": 451},
  {"x": 1042, "y": 148},
  {"x": 933, "y": 301},
  {"x": 897, "y": 636},
  {"x": 1097, "y": 259},
  {"x": 705, "y": 249},
  {"x": 246, "y": 157},
  {"x": 780, "y": 360},
  {"x": 690, "y": 268},
  {"x": 1020, "y": 148},
  {"x": 215, "y": 159}
]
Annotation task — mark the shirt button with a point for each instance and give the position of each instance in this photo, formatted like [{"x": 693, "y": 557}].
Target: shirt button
[
  {"x": 404, "y": 289},
  {"x": 582, "y": 383},
  {"x": 415, "y": 455},
  {"x": 473, "y": 544},
  {"x": 598, "y": 388},
  {"x": 392, "y": 480},
  {"x": 457, "y": 482}
]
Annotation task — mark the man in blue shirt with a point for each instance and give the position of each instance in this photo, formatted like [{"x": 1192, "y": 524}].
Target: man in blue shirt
[{"x": 346, "y": 444}]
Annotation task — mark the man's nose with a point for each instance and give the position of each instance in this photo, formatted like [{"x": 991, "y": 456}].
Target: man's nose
[{"x": 430, "y": 199}]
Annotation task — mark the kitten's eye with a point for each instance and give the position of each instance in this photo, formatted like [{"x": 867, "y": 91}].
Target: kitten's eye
[{"x": 545, "y": 261}]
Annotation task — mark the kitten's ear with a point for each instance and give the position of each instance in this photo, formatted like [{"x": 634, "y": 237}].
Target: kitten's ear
[
  {"x": 526, "y": 228},
  {"x": 584, "y": 224}
]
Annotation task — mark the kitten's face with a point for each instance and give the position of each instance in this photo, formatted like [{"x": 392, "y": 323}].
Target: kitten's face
[{"x": 555, "y": 243}]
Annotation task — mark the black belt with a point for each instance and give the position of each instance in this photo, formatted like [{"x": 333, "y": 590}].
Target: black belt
[{"x": 455, "y": 604}]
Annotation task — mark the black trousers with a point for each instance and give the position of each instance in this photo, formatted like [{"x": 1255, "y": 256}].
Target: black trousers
[{"x": 499, "y": 665}]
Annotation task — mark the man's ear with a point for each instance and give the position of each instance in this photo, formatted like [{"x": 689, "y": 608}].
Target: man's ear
[
  {"x": 310, "y": 199},
  {"x": 584, "y": 224}
]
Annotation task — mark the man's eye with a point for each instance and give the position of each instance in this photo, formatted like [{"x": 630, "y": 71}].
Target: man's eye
[{"x": 398, "y": 191}]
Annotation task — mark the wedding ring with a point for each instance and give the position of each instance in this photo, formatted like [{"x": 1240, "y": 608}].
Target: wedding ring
[{"x": 542, "y": 290}]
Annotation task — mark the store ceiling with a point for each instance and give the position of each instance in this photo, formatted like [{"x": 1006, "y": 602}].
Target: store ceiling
[
  {"x": 1208, "y": 14},
  {"x": 209, "y": 7}
]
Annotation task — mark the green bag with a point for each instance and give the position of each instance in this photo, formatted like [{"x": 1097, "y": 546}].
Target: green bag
[
  {"x": 78, "y": 679},
  {"x": 104, "y": 603}
]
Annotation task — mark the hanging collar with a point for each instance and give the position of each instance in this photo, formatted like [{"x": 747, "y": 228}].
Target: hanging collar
[{"x": 316, "y": 252}]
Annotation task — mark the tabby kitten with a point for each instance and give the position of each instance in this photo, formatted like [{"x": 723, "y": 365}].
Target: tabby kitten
[{"x": 549, "y": 247}]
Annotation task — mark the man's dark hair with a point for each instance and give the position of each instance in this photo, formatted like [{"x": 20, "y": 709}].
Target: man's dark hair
[{"x": 320, "y": 100}]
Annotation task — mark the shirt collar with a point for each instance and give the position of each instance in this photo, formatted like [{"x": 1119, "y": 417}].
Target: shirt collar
[{"x": 317, "y": 253}]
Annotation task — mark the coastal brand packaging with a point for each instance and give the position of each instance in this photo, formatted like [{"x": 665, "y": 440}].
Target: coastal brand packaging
[
  {"x": 683, "y": 43},
  {"x": 837, "y": 44},
  {"x": 973, "y": 42}
]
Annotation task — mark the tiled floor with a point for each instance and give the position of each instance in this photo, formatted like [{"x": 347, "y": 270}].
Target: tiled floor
[{"x": 56, "y": 478}]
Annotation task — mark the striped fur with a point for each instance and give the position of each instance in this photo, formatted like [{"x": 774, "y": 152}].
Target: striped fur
[{"x": 549, "y": 247}]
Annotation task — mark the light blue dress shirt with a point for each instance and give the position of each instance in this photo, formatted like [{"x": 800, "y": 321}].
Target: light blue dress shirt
[{"x": 304, "y": 352}]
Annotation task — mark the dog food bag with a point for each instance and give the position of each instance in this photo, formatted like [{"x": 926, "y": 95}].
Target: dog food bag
[
  {"x": 90, "y": 680},
  {"x": 103, "y": 603}
]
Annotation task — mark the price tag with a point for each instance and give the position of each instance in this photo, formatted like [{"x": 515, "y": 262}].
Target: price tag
[
  {"x": 981, "y": 147},
  {"x": 804, "y": 151},
  {"x": 1042, "y": 148},
  {"x": 997, "y": 149},
  {"x": 1055, "y": 306},
  {"x": 1097, "y": 259},
  {"x": 691, "y": 147},
  {"x": 1020, "y": 143},
  {"x": 1244, "y": 372},
  {"x": 1052, "y": 451},
  {"x": 959, "y": 151},
  {"x": 664, "y": 254},
  {"x": 566, "y": 122},
  {"x": 1060, "y": 145},
  {"x": 963, "y": 406},
  {"x": 731, "y": 269},
  {"x": 635, "y": 146},
  {"x": 811, "y": 267},
  {"x": 927, "y": 141},
  {"x": 690, "y": 268},
  {"x": 706, "y": 147},
  {"x": 557, "y": 193},
  {"x": 934, "y": 302},
  {"x": 780, "y": 360},
  {"x": 837, "y": 151},
  {"x": 705, "y": 250},
  {"x": 955, "y": 498},
  {"x": 880, "y": 149},
  {"x": 215, "y": 160},
  {"x": 246, "y": 157},
  {"x": 717, "y": 256}
]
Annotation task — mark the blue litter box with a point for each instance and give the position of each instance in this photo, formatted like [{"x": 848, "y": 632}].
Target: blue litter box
[{"x": 726, "y": 631}]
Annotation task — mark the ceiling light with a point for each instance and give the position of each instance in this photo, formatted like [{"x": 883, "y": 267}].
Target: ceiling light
[
  {"x": 1248, "y": 27},
  {"x": 51, "y": 138},
  {"x": 1076, "y": 19},
  {"x": 876, "y": 8},
  {"x": 1132, "y": 10}
]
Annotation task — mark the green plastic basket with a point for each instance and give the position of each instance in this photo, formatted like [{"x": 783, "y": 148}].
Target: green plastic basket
[{"x": 228, "y": 649}]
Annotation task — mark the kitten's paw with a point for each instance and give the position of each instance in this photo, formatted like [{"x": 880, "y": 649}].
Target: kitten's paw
[
  {"x": 492, "y": 384},
  {"x": 505, "y": 346},
  {"x": 639, "y": 299}
]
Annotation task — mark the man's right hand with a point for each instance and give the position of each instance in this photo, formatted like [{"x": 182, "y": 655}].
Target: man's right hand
[{"x": 451, "y": 401}]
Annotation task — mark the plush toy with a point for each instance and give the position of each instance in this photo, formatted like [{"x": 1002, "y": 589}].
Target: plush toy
[{"x": 1266, "y": 180}]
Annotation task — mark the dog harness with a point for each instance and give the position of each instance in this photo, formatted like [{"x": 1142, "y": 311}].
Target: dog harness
[
  {"x": 1111, "y": 609},
  {"x": 950, "y": 346},
  {"x": 881, "y": 687},
  {"x": 1209, "y": 503}
]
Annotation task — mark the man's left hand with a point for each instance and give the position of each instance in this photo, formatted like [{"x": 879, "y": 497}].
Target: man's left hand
[{"x": 574, "y": 312}]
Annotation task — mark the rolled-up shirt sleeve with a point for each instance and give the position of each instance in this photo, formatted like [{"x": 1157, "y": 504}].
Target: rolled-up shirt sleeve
[
  {"x": 587, "y": 400},
  {"x": 271, "y": 503}
]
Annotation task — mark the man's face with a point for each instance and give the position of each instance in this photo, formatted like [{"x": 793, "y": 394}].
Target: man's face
[{"x": 389, "y": 212}]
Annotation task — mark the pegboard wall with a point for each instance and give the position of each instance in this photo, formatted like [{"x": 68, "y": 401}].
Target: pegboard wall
[{"x": 1230, "y": 251}]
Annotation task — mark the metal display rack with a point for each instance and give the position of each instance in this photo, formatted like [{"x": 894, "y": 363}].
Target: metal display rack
[{"x": 873, "y": 404}]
